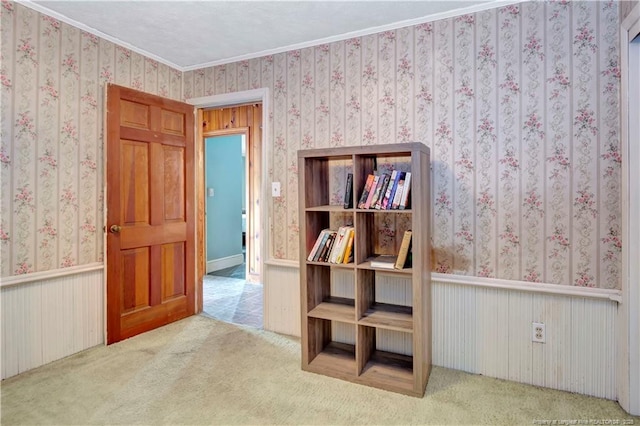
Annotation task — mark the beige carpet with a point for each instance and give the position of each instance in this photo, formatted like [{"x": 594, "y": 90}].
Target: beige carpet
[{"x": 202, "y": 371}]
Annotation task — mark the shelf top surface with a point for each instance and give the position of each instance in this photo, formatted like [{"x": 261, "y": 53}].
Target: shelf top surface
[
  {"x": 363, "y": 150},
  {"x": 334, "y": 208}
]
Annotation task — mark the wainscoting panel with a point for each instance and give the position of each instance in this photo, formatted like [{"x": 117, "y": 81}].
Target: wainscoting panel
[
  {"x": 49, "y": 319},
  {"x": 281, "y": 282},
  {"x": 488, "y": 331}
]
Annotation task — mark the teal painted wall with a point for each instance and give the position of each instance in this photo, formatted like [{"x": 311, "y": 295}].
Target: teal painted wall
[{"x": 224, "y": 172}]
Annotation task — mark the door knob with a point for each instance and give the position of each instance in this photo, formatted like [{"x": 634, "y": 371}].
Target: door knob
[{"x": 115, "y": 229}]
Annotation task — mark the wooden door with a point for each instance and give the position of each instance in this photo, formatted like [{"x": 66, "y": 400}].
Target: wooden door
[{"x": 150, "y": 212}]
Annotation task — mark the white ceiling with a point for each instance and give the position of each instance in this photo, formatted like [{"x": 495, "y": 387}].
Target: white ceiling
[{"x": 193, "y": 34}]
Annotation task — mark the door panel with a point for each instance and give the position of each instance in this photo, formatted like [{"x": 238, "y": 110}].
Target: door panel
[
  {"x": 174, "y": 184},
  {"x": 173, "y": 278},
  {"x": 135, "y": 271},
  {"x": 150, "y": 217},
  {"x": 135, "y": 183}
]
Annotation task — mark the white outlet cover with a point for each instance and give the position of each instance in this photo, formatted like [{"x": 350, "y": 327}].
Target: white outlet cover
[{"x": 538, "y": 332}]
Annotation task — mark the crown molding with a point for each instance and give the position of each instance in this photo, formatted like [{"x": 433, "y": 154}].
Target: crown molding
[{"x": 340, "y": 37}]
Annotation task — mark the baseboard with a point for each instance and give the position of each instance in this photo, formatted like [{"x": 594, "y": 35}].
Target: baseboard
[{"x": 224, "y": 262}]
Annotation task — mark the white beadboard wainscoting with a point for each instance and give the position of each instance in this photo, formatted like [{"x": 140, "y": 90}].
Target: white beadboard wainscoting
[
  {"x": 488, "y": 331},
  {"x": 48, "y": 316},
  {"x": 281, "y": 281},
  {"x": 484, "y": 326}
]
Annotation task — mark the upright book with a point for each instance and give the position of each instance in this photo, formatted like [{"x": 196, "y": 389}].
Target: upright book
[
  {"x": 348, "y": 192},
  {"x": 348, "y": 253},
  {"x": 405, "y": 201},
  {"x": 365, "y": 191},
  {"x": 372, "y": 192},
  {"x": 392, "y": 182},
  {"x": 398, "y": 195},
  {"x": 378, "y": 191},
  {"x": 405, "y": 246}
]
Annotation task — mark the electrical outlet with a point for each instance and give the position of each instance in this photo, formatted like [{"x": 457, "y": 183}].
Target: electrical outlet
[{"x": 538, "y": 332}]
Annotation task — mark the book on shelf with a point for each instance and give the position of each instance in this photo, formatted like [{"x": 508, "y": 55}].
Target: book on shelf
[
  {"x": 317, "y": 244},
  {"x": 333, "y": 246},
  {"x": 372, "y": 191},
  {"x": 376, "y": 193},
  {"x": 403, "y": 253},
  {"x": 381, "y": 191},
  {"x": 348, "y": 254},
  {"x": 348, "y": 192},
  {"x": 398, "y": 194},
  {"x": 338, "y": 244},
  {"x": 323, "y": 245},
  {"x": 405, "y": 201},
  {"x": 394, "y": 190},
  {"x": 342, "y": 248},
  {"x": 365, "y": 191},
  {"x": 326, "y": 250},
  {"x": 384, "y": 261},
  {"x": 393, "y": 181}
]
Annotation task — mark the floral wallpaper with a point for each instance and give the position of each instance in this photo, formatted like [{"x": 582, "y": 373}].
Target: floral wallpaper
[
  {"x": 520, "y": 106},
  {"x": 52, "y": 79}
]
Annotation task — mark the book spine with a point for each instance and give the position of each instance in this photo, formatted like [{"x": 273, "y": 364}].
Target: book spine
[
  {"x": 343, "y": 245},
  {"x": 392, "y": 195},
  {"x": 348, "y": 192},
  {"x": 396, "y": 199},
  {"x": 372, "y": 192},
  {"x": 316, "y": 245},
  {"x": 324, "y": 256},
  {"x": 321, "y": 247},
  {"x": 380, "y": 189},
  {"x": 392, "y": 181},
  {"x": 365, "y": 192},
  {"x": 336, "y": 244},
  {"x": 404, "y": 203},
  {"x": 348, "y": 254},
  {"x": 404, "y": 250}
]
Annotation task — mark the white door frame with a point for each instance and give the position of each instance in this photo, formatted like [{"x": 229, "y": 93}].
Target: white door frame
[
  {"x": 628, "y": 324},
  {"x": 238, "y": 98}
]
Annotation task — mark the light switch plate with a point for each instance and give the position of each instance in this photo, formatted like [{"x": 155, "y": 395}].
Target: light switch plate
[{"x": 275, "y": 189}]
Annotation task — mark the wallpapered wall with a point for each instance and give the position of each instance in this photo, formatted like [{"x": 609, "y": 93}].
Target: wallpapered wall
[
  {"x": 52, "y": 78},
  {"x": 520, "y": 106}
]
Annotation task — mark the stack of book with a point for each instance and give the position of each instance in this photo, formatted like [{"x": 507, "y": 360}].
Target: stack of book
[
  {"x": 386, "y": 191},
  {"x": 400, "y": 261},
  {"x": 333, "y": 246}
]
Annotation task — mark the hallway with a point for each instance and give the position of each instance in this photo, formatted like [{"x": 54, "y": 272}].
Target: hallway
[{"x": 227, "y": 296}]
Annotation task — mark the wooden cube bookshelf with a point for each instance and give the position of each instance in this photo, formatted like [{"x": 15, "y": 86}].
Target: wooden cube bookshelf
[{"x": 361, "y": 357}]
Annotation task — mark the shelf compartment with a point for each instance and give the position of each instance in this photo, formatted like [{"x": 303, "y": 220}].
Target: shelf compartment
[
  {"x": 392, "y": 317},
  {"x": 335, "y": 308},
  {"x": 379, "y": 367},
  {"x": 390, "y": 370},
  {"x": 316, "y": 177},
  {"x": 327, "y": 355},
  {"x": 336, "y": 359}
]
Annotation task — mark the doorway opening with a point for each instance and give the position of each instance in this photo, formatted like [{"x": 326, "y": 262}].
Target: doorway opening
[{"x": 231, "y": 147}]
